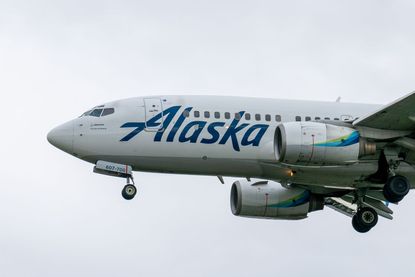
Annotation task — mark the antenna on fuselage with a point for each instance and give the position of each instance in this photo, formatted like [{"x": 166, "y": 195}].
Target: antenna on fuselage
[
  {"x": 338, "y": 99},
  {"x": 221, "y": 179}
]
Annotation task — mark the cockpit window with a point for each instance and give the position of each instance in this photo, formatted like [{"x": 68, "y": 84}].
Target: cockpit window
[
  {"x": 86, "y": 113},
  {"x": 96, "y": 112},
  {"x": 99, "y": 111},
  {"x": 107, "y": 111}
]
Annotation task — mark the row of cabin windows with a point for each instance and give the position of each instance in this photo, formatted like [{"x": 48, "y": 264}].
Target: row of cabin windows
[
  {"x": 247, "y": 116},
  {"x": 227, "y": 115},
  {"x": 308, "y": 118}
]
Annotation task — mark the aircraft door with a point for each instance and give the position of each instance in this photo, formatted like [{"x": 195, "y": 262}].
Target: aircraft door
[{"x": 153, "y": 107}]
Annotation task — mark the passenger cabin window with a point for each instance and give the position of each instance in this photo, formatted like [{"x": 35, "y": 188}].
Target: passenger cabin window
[
  {"x": 108, "y": 111},
  {"x": 227, "y": 115},
  {"x": 257, "y": 117},
  {"x": 217, "y": 115},
  {"x": 336, "y": 118},
  {"x": 186, "y": 113},
  {"x": 278, "y": 118},
  {"x": 268, "y": 117},
  {"x": 317, "y": 118},
  {"x": 327, "y": 118},
  {"x": 298, "y": 118},
  {"x": 197, "y": 114},
  {"x": 307, "y": 118},
  {"x": 207, "y": 114},
  {"x": 237, "y": 116},
  {"x": 96, "y": 113},
  {"x": 248, "y": 116}
]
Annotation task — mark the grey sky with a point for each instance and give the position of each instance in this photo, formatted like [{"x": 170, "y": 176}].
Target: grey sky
[{"x": 57, "y": 59}]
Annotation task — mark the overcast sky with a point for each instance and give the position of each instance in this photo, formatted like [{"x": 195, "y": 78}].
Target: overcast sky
[{"x": 59, "y": 58}]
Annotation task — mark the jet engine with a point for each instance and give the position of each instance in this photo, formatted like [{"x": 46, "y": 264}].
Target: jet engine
[
  {"x": 268, "y": 199},
  {"x": 313, "y": 143}
]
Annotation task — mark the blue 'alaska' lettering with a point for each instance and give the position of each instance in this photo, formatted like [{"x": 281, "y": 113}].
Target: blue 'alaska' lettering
[
  {"x": 213, "y": 132},
  {"x": 139, "y": 126},
  {"x": 196, "y": 127},
  {"x": 261, "y": 128},
  {"x": 193, "y": 129},
  {"x": 177, "y": 125},
  {"x": 153, "y": 122},
  {"x": 232, "y": 131},
  {"x": 168, "y": 116}
]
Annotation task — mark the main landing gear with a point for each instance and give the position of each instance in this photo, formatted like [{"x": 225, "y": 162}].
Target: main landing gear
[
  {"x": 365, "y": 219},
  {"x": 396, "y": 186},
  {"x": 395, "y": 189},
  {"x": 130, "y": 190}
]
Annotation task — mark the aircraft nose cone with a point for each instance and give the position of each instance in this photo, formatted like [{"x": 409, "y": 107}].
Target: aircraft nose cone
[{"x": 62, "y": 137}]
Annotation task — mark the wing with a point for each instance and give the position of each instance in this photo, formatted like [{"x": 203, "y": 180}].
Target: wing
[
  {"x": 397, "y": 116},
  {"x": 346, "y": 205}
]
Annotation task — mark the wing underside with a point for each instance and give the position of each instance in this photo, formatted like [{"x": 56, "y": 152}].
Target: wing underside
[{"x": 373, "y": 199}]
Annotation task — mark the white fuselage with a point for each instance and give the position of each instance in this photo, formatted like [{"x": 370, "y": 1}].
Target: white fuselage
[{"x": 203, "y": 135}]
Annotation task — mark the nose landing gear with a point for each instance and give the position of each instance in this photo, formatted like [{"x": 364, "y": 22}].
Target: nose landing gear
[
  {"x": 118, "y": 170},
  {"x": 130, "y": 190}
]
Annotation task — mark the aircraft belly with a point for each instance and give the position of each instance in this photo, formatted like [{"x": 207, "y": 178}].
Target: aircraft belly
[
  {"x": 343, "y": 176},
  {"x": 185, "y": 165}
]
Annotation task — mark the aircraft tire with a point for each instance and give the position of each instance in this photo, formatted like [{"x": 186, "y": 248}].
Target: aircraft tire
[
  {"x": 359, "y": 228},
  {"x": 128, "y": 192},
  {"x": 396, "y": 188},
  {"x": 367, "y": 217}
]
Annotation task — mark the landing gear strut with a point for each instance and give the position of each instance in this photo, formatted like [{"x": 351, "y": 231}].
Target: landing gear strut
[
  {"x": 118, "y": 170},
  {"x": 130, "y": 190},
  {"x": 365, "y": 219}
]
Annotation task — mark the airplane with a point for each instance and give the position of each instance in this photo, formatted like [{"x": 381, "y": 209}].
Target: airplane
[{"x": 294, "y": 157}]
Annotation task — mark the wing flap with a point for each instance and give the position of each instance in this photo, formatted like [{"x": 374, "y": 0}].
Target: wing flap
[
  {"x": 341, "y": 206},
  {"x": 345, "y": 205}
]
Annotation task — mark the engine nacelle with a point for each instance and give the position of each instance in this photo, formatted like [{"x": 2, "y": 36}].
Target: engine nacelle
[
  {"x": 268, "y": 199},
  {"x": 313, "y": 143}
]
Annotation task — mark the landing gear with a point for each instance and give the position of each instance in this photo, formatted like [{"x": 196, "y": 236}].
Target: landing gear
[
  {"x": 121, "y": 171},
  {"x": 365, "y": 219},
  {"x": 396, "y": 188},
  {"x": 130, "y": 190}
]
